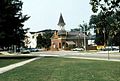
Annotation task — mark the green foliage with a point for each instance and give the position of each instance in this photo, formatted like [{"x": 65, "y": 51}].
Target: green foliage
[
  {"x": 81, "y": 28},
  {"x": 45, "y": 39},
  {"x": 108, "y": 26},
  {"x": 6, "y": 62},
  {"x": 62, "y": 69},
  {"x": 116, "y": 39},
  {"x": 39, "y": 41},
  {"x": 84, "y": 27},
  {"x": 11, "y": 23},
  {"x": 99, "y": 24},
  {"x": 108, "y": 6},
  {"x": 99, "y": 39},
  {"x": 108, "y": 18}
]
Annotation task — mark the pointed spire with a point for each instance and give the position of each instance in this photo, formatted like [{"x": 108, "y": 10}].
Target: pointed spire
[{"x": 61, "y": 21}]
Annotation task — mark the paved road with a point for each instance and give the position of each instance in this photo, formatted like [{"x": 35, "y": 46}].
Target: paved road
[
  {"x": 70, "y": 54},
  {"x": 99, "y": 55}
]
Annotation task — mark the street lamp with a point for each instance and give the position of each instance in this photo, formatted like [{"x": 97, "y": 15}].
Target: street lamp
[
  {"x": 104, "y": 36},
  {"x": 78, "y": 40},
  {"x": 104, "y": 31},
  {"x": 84, "y": 39},
  {"x": 84, "y": 31}
]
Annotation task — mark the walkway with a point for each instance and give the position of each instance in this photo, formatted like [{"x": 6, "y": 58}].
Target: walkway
[{"x": 12, "y": 66}]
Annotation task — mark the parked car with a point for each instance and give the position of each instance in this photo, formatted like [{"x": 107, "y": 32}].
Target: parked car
[
  {"x": 110, "y": 49},
  {"x": 25, "y": 51},
  {"x": 33, "y": 49},
  {"x": 77, "y": 49}
]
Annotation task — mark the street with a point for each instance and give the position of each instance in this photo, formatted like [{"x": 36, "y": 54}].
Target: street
[
  {"x": 97, "y": 55},
  {"x": 101, "y": 55}
]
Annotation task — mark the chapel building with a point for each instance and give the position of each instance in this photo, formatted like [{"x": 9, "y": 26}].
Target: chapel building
[{"x": 63, "y": 40}]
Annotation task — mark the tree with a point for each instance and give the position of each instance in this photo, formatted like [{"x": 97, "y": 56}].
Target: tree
[
  {"x": 107, "y": 6},
  {"x": 98, "y": 24},
  {"x": 11, "y": 23},
  {"x": 109, "y": 9},
  {"x": 81, "y": 28},
  {"x": 45, "y": 39},
  {"x": 106, "y": 29},
  {"x": 84, "y": 27},
  {"x": 110, "y": 16},
  {"x": 40, "y": 40}
]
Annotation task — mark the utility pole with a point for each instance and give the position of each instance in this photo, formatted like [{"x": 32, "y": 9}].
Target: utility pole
[
  {"x": 104, "y": 37},
  {"x": 84, "y": 39}
]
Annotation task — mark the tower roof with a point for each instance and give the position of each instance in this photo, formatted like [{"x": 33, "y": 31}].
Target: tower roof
[{"x": 61, "y": 21}]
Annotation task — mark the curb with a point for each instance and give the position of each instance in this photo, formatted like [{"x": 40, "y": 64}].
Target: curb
[{"x": 94, "y": 59}]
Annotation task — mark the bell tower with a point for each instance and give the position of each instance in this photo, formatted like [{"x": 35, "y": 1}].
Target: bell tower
[{"x": 61, "y": 22}]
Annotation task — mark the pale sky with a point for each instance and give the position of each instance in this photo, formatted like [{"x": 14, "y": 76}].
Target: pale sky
[{"x": 45, "y": 13}]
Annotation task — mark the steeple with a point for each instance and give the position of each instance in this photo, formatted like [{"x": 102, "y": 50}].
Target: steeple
[{"x": 61, "y": 22}]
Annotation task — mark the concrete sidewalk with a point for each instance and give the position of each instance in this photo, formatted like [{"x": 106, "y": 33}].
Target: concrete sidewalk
[{"x": 12, "y": 66}]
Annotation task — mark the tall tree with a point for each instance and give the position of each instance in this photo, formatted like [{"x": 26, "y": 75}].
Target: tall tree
[
  {"x": 11, "y": 23},
  {"x": 45, "y": 39},
  {"x": 110, "y": 18},
  {"x": 85, "y": 28},
  {"x": 107, "y": 6},
  {"x": 98, "y": 24},
  {"x": 40, "y": 40}
]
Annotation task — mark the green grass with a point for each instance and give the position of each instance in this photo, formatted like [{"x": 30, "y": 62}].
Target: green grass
[
  {"x": 8, "y": 61},
  {"x": 65, "y": 69}
]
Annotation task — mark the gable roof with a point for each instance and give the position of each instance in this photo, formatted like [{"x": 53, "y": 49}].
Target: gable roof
[
  {"x": 76, "y": 35},
  {"x": 70, "y": 42}
]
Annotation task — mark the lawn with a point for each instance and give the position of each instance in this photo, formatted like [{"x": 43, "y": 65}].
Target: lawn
[
  {"x": 8, "y": 61},
  {"x": 64, "y": 69}
]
